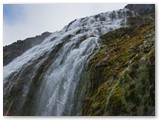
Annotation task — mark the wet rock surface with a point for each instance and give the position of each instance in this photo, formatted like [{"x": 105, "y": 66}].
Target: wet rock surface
[
  {"x": 122, "y": 73},
  {"x": 96, "y": 66}
]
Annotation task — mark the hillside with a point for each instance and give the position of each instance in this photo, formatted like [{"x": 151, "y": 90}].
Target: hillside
[{"x": 122, "y": 71}]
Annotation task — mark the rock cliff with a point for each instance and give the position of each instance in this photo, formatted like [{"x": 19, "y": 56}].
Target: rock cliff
[
  {"x": 16, "y": 49},
  {"x": 122, "y": 71}
]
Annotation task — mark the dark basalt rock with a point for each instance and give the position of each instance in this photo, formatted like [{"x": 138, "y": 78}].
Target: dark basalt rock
[{"x": 16, "y": 49}]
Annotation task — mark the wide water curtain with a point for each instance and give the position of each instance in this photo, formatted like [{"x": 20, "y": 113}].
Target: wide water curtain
[{"x": 47, "y": 79}]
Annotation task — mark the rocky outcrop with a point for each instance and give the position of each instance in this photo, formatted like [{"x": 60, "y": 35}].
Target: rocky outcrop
[
  {"x": 142, "y": 9},
  {"x": 122, "y": 74},
  {"x": 16, "y": 49},
  {"x": 122, "y": 71}
]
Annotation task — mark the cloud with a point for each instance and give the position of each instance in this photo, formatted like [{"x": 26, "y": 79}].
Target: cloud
[{"x": 28, "y": 20}]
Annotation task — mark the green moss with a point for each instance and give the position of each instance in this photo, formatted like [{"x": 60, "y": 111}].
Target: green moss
[{"x": 121, "y": 73}]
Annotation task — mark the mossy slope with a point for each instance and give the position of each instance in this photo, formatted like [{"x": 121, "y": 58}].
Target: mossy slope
[{"x": 122, "y": 73}]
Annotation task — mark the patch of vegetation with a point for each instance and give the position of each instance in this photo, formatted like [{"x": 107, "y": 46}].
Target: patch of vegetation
[{"x": 122, "y": 73}]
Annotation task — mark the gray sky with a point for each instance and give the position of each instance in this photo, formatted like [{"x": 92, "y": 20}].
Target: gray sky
[{"x": 21, "y": 21}]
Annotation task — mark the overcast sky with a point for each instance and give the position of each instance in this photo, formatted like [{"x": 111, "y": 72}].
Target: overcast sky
[{"x": 21, "y": 21}]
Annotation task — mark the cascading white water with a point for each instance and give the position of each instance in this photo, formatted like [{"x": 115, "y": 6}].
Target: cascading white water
[{"x": 57, "y": 64}]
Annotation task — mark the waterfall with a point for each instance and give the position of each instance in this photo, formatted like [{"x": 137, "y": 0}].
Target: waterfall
[{"x": 44, "y": 79}]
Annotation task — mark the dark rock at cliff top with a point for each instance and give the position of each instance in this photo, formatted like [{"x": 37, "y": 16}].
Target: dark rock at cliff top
[
  {"x": 142, "y": 9},
  {"x": 16, "y": 49}
]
